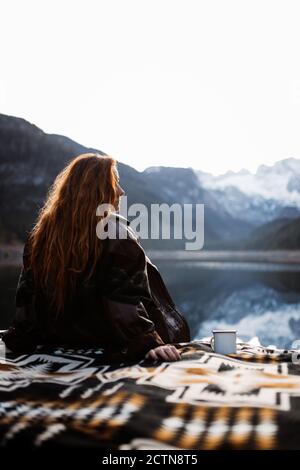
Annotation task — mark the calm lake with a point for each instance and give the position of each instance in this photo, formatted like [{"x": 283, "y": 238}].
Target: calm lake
[{"x": 257, "y": 299}]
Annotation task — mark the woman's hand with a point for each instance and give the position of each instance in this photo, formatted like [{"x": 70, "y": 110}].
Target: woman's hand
[{"x": 167, "y": 352}]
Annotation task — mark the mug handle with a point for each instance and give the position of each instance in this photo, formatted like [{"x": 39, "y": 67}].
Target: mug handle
[{"x": 212, "y": 343}]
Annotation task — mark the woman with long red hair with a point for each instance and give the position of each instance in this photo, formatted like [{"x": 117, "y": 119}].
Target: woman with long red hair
[{"x": 78, "y": 290}]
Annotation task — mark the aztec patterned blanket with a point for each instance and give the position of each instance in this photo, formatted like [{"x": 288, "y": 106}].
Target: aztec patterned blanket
[{"x": 68, "y": 398}]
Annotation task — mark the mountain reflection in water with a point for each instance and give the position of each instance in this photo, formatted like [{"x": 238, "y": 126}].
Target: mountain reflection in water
[{"x": 257, "y": 299}]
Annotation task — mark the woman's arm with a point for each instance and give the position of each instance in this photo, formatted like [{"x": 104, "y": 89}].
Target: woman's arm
[
  {"x": 22, "y": 336},
  {"x": 125, "y": 289},
  {"x": 167, "y": 352}
]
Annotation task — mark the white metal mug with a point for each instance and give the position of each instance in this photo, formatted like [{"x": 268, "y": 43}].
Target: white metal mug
[
  {"x": 223, "y": 341},
  {"x": 2, "y": 351}
]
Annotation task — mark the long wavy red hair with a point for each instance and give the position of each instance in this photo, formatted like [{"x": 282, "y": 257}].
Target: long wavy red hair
[{"x": 63, "y": 242}]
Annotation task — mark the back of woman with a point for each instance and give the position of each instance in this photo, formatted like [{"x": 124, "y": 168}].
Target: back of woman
[{"x": 76, "y": 289}]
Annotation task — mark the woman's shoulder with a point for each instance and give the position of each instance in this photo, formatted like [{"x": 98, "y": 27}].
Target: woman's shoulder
[{"x": 122, "y": 239}]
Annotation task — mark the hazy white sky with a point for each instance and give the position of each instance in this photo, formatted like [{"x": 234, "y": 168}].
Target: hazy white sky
[{"x": 210, "y": 84}]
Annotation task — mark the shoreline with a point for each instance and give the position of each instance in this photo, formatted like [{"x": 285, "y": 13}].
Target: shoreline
[
  {"x": 250, "y": 256},
  {"x": 11, "y": 255}
]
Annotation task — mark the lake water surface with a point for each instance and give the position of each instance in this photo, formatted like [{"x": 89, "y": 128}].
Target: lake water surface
[{"x": 258, "y": 299}]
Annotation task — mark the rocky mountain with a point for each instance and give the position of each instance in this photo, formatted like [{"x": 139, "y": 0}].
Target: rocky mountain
[
  {"x": 280, "y": 234},
  {"x": 29, "y": 162},
  {"x": 182, "y": 185},
  {"x": 235, "y": 203},
  {"x": 30, "y": 159},
  {"x": 272, "y": 192},
  {"x": 271, "y": 182}
]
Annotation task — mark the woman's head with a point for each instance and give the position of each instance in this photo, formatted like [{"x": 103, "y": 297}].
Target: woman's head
[{"x": 63, "y": 240}]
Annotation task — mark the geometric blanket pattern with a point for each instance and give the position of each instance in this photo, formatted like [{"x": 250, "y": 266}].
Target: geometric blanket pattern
[{"x": 65, "y": 397}]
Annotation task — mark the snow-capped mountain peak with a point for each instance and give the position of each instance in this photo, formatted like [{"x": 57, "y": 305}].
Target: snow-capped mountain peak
[{"x": 280, "y": 181}]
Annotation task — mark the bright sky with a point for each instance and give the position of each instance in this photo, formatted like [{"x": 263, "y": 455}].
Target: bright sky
[{"x": 214, "y": 85}]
